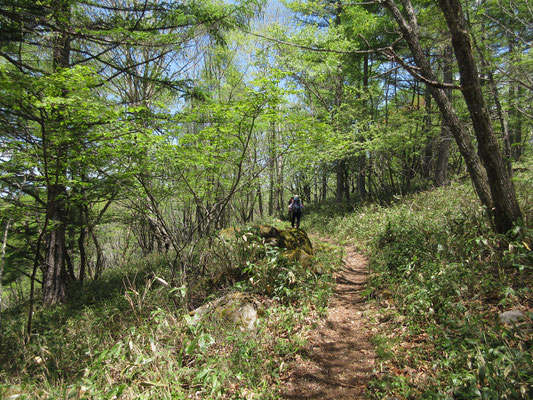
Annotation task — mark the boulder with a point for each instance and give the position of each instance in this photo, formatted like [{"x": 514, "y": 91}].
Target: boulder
[
  {"x": 511, "y": 317},
  {"x": 290, "y": 239},
  {"x": 229, "y": 233},
  {"x": 306, "y": 260},
  {"x": 237, "y": 308}
]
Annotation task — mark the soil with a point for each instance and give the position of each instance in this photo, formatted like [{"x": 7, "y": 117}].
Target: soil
[{"x": 338, "y": 360}]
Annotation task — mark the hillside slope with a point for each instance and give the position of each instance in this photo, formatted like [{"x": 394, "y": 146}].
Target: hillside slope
[{"x": 444, "y": 281}]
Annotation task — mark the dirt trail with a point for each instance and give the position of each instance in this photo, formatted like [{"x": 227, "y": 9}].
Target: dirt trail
[{"x": 338, "y": 360}]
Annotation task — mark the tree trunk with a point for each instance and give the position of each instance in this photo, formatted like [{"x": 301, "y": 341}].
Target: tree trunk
[
  {"x": 324, "y": 191},
  {"x": 515, "y": 123},
  {"x": 280, "y": 206},
  {"x": 361, "y": 159},
  {"x": 503, "y": 123},
  {"x": 441, "y": 169},
  {"x": 340, "y": 167},
  {"x": 340, "y": 170},
  {"x": 260, "y": 201},
  {"x": 273, "y": 170},
  {"x": 81, "y": 244},
  {"x": 2, "y": 263},
  {"x": 307, "y": 192},
  {"x": 391, "y": 176},
  {"x": 315, "y": 185},
  {"x": 99, "y": 266},
  {"x": 477, "y": 173},
  {"x": 506, "y": 209},
  {"x": 487, "y": 71},
  {"x": 54, "y": 275},
  {"x": 427, "y": 160},
  {"x": 271, "y": 191},
  {"x": 361, "y": 177},
  {"x": 517, "y": 129}
]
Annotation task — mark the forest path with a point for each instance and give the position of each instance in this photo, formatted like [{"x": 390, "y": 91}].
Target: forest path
[{"x": 338, "y": 360}]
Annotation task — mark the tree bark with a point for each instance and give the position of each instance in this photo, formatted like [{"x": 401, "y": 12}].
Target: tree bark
[
  {"x": 54, "y": 276},
  {"x": 361, "y": 159},
  {"x": 427, "y": 159},
  {"x": 506, "y": 210},
  {"x": 271, "y": 191},
  {"x": 81, "y": 246},
  {"x": 324, "y": 191},
  {"x": 260, "y": 201},
  {"x": 361, "y": 177},
  {"x": 280, "y": 186},
  {"x": 273, "y": 169},
  {"x": 487, "y": 71},
  {"x": 517, "y": 144},
  {"x": 340, "y": 168},
  {"x": 515, "y": 123},
  {"x": 441, "y": 168},
  {"x": 503, "y": 123},
  {"x": 99, "y": 265},
  {"x": 2, "y": 263}
]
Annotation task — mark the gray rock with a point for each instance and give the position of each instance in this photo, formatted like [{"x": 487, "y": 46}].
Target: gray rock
[
  {"x": 511, "y": 317},
  {"x": 239, "y": 309}
]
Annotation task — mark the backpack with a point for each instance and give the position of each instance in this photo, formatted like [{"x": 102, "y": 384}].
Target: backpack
[{"x": 296, "y": 205}]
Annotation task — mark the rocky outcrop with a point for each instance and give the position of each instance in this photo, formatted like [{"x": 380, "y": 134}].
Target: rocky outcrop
[
  {"x": 229, "y": 233},
  {"x": 290, "y": 239},
  {"x": 295, "y": 241},
  {"x": 512, "y": 317},
  {"x": 237, "y": 309}
]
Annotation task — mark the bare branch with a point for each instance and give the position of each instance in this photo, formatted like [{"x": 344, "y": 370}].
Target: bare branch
[
  {"x": 509, "y": 32},
  {"x": 311, "y": 48},
  {"x": 391, "y": 55},
  {"x": 387, "y": 72},
  {"x": 524, "y": 112}
]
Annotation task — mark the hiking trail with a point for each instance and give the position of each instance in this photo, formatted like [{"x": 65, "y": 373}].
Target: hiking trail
[{"x": 338, "y": 360}]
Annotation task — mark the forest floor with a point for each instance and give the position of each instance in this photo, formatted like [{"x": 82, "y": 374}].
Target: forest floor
[{"x": 338, "y": 360}]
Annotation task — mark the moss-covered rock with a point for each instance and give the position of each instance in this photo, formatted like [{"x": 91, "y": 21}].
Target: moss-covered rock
[
  {"x": 237, "y": 308},
  {"x": 290, "y": 239},
  {"x": 306, "y": 260},
  {"x": 229, "y": 233}
]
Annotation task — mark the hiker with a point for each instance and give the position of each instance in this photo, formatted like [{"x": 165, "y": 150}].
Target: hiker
[{"x": 295, "y": 209}]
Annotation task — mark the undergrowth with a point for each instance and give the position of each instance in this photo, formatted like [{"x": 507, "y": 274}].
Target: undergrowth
[
  {"x": 441, "y": 278},
  {"x": 129, "y": 335}
]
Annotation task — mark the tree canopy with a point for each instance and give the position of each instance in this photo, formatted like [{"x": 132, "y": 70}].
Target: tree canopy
[{"x": 177, "y": 119}]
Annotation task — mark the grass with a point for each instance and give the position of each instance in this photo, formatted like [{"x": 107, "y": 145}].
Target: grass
[
  {"x": 126, "y": 336},
  {"x": 441, "y": 278}
]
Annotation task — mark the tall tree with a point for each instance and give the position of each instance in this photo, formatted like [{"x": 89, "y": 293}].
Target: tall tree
[
  {"x": 492, "y": 185},
  {"x": 55, "y": 149},
  {"x": 57, "y": 64},
  {"x": 506, "y": 209}
]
